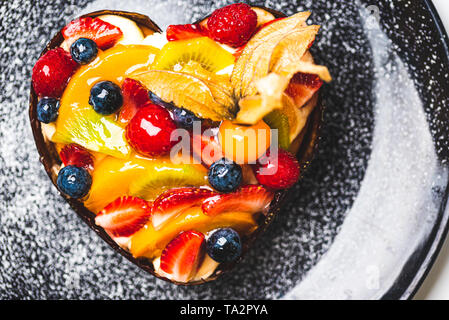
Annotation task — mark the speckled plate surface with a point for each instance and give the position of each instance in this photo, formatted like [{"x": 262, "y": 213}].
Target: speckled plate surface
[{"x": 367, "y": 220}]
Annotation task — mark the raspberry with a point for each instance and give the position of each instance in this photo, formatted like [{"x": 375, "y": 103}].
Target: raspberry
[
  {"x": 149, "y": 131},
  {"x": 52, "y": 72},
  {"x": 233, "y": 25},
  {"x": 75, "y": 155}
]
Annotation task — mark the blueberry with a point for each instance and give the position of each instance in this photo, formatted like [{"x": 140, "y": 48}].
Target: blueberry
[
  {"x": 84, "y": 50},
  {"x": 225, "y": 175},
  {"x": 47, "y": 110},
  {"x": 106, "y": 97},
  {"x": 224, "y": 245},
  {"x": 74, "y": 181},
  {"x": 184, "y": 118},
  {"x": 156, "y": 100}
]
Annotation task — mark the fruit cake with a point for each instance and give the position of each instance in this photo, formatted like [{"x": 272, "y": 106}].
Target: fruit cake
[{"x": 177, "y": 143}]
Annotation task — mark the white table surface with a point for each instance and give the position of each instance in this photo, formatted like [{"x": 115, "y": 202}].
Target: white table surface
[{"x": 436, "y": 286}]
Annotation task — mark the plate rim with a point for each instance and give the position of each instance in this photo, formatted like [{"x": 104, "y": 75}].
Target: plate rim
[{"x": 413, "y": 275}]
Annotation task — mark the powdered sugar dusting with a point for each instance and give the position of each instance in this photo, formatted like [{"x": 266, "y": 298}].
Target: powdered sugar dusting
[
  {"x": 47, "y": 252},
  {"x": 392, "y": 214}
]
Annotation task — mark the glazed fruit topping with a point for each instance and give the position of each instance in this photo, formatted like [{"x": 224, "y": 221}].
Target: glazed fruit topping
[
  {"x": 277, "y": 172},
  {"x": 206, "y": 149},
  {"x": 242, "y": 143},
  {"x": 103, "y": 33},
  {"x": 184, "y": 118},
  {"x": 149, "y": 132},
  {"x": 225, "y": 175},
  {"x": 182, "y": 256},
  {"x": 303, "y": 86},
  {"x": 52, "y": 72},
  {"x": 135, "y": 96},
  {"x": 75, "y": 155},
  {"x": 224, "y": 245},
  {"x": 124, "y": 216},
  {"x": 185, "y": 31},
  {"x": 251, "y": 198},
  {"x": 84, "y": 50},
  {"x": 172, "y": 202},
  {"x": 150, "y": 243},
  {"x": 74, "y": 181},
  {"x": 47, "y": 110},
  {"x": 106, "y": 97},
  {"x": 210, "y": 55},
  {"x": 233, "y": 25}
]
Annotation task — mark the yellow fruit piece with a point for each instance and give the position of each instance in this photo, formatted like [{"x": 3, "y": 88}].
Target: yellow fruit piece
[
  {"x": 203, "y": 50},
  {"x": 254, "y": 108},
  {"x": 297, "y": 117},
  {"x": 219, "y": 85},
  {"x": 149, "y": 243},
  {"x": 244, "y": 144},
  {"x": 189, "y": 92},
  {"x": 254, "y": 62},
  {"x": 162, "y": 177},
  {"x": 78, "y": 122},
  {"x": 113, "y": 178}
]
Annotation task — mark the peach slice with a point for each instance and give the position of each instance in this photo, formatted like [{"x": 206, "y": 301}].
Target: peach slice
[
  {"x": 78, "y": 122},
  {"x": 149, "y": 243}
]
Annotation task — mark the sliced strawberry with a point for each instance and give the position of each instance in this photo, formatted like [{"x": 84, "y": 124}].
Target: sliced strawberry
[
  {"x": 182, "y": 256},
  {"x": 302, "y": 87},
  {"x": 103, "y": 33},
  {"x": 75, "y": 155},
  {"x": 206, "y": 149},
  {"x": 135, "y": 96},
  {"x": 172, "y": 202},
  {"x": 251, "y": 198},
  {"x": 185, "y": 31},
  {"x": 124, "y": 216}
]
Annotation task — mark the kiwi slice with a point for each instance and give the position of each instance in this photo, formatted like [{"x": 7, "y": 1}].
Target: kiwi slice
[
  {"x": 167, "y": 176},
  {"x": 276, "y": 119},
  {"x": 204, "y": 51},
  {"x": 92, "y": 131}
]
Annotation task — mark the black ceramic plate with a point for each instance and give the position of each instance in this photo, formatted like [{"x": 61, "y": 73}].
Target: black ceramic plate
[{"x": 367, "y": 220}]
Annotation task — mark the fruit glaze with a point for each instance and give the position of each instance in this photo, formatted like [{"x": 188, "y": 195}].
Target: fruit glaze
[{"x": 177, "y": 142}]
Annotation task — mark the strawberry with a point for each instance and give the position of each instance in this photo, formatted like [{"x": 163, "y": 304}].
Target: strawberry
[
  {"x": 185, "y": 31},
  {"x": 52, "y": 72},
  {"x": 135, "y": 96},
  {"x": 103, "y": 33},
  {"x": 172, "y": 202},
  {"x": 233, "y": 25},
  {"x": 206, "y": 148},
  {"x": 182, "y": 256},
  {"x": 77, "y": 156},
  {"x": 302, "y": 87},
  {"x": 124, "y": 216},
  {"x": 250, "y": 198},
  {"x": 149, "y": 131},
  {"x": 277, "y": 173}
]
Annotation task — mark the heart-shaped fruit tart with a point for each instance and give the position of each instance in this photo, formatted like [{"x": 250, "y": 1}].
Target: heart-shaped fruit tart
[{"x": 177, "y": 147}]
